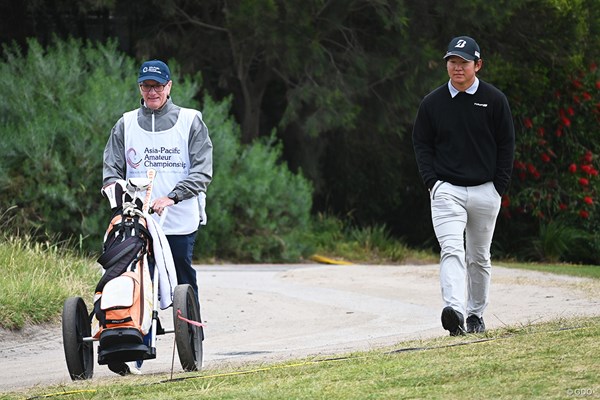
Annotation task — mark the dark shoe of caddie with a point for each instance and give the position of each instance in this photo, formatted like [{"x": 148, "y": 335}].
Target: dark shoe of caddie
[
  {"x": 119, "y": 368},
  {"x": 453, "y": 321},
  {"x": 475, "y": 324}
]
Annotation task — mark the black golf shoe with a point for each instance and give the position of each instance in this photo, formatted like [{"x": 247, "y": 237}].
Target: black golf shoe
[
  {"x": 475, "y": 324},
  {"x": 453, "y": 321},
  {"x": 119, "y": 368}
]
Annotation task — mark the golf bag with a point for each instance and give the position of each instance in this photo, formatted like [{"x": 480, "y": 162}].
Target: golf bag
[{"x": 123, "y": 301}]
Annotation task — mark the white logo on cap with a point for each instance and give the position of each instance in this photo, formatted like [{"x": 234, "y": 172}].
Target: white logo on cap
[
  {"x": 152, "y": 69},
  {"x": 461, "y": 43}
]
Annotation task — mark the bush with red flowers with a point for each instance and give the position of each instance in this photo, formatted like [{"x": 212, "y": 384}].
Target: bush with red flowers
[{"x": 557, "y": 160}]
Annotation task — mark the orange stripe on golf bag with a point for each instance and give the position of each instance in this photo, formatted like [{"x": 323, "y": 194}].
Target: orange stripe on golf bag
[{"x": 121, "y": 302}]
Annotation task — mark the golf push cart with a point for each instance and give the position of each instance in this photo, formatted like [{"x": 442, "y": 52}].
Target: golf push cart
[{"x": 137, "y": 280}]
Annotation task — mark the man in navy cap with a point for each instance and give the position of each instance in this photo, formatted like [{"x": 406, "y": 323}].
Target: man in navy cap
[
  {"x": 174, "y": 141},
  {"x": 464, "y": 141}
]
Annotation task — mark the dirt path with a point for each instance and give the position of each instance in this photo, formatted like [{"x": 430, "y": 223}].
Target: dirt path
[{"x": 267, "y": 313}]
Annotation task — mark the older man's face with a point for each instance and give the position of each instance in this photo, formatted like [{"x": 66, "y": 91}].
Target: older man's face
[{"x": 154, "y": 93}]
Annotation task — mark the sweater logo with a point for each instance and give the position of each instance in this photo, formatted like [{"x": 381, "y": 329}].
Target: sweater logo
[{"x": 480, "y": 104}]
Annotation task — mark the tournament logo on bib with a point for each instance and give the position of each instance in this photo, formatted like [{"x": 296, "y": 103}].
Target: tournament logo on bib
[{"x": 131, "y": 156}]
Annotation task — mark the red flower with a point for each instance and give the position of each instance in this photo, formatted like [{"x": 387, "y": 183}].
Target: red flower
[
  {"x": 505, "y": 201},
  {"x": 563, "y": 206},
  {"x": 584, "y": 181},
  {"x": 588, "y": 200},
  {"x": 577, "y": 83},
  {"x": 545, "y": 157},
  {"x": 566, "y": 121},
  {"x": 587, "y": 96},
  {"x": 584, "y": 214},
  {"x": 590, "y": 170},
  {"x": 576, "y": 99},
  {"x": 570, "y": 111},
  {"x": 559, "y": 131},
  {"x": 528, "y": 123},
  {"x": 541, "y": 131},
  {"x": 587, "y": 169},
  {"x": 587, "y": 157},
  {"x": 597, "y": 84},
  {"x": 572, "y": 168}
]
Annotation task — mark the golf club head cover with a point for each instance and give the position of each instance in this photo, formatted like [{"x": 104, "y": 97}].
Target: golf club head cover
[{"x": 114, "y": 193}]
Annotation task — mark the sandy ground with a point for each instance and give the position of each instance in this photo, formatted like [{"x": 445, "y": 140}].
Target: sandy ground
[{"x": 268, "y": 313}]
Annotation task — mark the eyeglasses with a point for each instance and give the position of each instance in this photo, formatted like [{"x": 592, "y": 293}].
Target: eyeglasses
[{"x": 157, "y": 88}]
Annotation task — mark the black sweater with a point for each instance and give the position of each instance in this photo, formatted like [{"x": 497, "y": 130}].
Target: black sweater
[{"x": 467, "y": 140}]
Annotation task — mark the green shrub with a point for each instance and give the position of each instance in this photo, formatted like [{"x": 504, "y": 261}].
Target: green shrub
[
  {"x": 370, "y": 245},
  {"x": 57, "y": 110},
  {"x": 257, "y": 209},
  {"x": 556, "y": 242},
  {"x": 555, "y": 180}
]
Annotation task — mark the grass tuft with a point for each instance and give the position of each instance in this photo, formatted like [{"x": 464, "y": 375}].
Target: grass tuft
[{"x": 37, "y": 278}]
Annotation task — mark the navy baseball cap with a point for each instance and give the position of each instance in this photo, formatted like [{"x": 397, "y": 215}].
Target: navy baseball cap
[
  {"x": 464, "y": 47},
  {"x": 155, "y": 70}
]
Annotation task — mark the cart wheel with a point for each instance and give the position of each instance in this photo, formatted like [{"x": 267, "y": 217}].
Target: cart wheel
[
  {"x": 187, "y": 336},
  {"x": 76, "y": 326}
]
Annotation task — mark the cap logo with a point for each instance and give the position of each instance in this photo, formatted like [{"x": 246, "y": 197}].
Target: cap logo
[
  {"x": 461, "y": 43},
  {"x": 152, "y": 69}
]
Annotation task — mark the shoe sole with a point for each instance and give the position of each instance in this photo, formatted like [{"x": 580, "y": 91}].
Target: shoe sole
[{"x": 451, "y": 322}]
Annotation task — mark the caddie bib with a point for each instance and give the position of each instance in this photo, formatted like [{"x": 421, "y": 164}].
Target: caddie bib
[{"x": 166, "y": 152}]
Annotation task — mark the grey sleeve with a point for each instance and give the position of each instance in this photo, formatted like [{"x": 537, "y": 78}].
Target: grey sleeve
[
  {"x": 201, "y": 162},
  {"x": 114, "y": 155}
]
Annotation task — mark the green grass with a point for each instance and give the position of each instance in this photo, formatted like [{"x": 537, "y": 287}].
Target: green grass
[
  {"x": 37, "y": 278},
  {"x": 584, "y": 271},
  {"x": 545, "y": 361}
]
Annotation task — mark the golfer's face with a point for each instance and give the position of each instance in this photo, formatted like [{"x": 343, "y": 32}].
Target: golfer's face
[
  {"x": 154, "y": 93},
  {"x": 462, "y": 72}
]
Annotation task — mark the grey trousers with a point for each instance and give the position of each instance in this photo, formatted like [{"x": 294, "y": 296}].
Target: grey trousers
[{"x": 464, "y": 219}]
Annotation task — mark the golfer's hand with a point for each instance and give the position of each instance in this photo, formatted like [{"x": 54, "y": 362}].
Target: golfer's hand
[{"x": 159, "y": 205}]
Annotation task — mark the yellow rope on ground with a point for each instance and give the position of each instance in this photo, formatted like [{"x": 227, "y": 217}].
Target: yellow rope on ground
[
  {"x": 327, "y": 260},
  {"x": 65, "y": 393}
]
